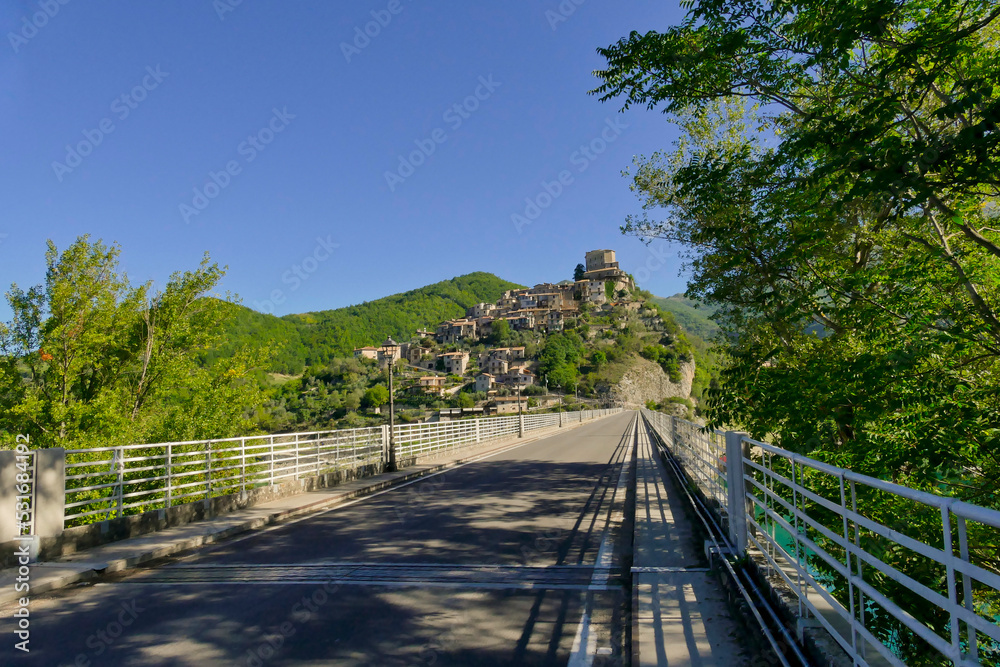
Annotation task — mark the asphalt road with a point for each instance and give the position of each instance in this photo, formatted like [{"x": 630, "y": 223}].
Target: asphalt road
[{"x": 491, "y": 563}]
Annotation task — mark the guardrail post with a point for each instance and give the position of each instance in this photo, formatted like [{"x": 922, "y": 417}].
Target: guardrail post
[
  {"x": 478, "y": 437},
  {"x": 120, "y": 472},
  {"x": 272, "y": 460},
  {"x": 297, "y": 459},
  {"x": 520, "y": 426},
  {"x": 243, "y": 465},
  {"x": 560, "y": 418},
  {"x": 170, "y": 477},
  {"x": 737, "y": 506},
  {"x": 208, "y": 474},
  {"x": 385, "y": 447}
]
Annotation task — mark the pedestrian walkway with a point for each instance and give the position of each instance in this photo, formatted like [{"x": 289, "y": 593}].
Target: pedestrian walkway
[
  {"x": 128, "y": 553},
  {"x": 679, "y": 611}
]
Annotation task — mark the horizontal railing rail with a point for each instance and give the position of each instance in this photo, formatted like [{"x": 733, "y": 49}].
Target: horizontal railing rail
[
  {"x": 114, "y": 481},
  {"x": 108, "y": 482},
  {"x": 892, "y": 573}
]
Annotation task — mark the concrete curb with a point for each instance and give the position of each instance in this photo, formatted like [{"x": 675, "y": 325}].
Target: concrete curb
[{"x": 66, "y": 573}]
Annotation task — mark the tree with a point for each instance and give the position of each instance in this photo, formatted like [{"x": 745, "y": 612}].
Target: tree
[
  {"x": 89, "y": 358},
  {"x": 850, "y": 238},
  {"x": 559, "y": 358},
  {"x": 836, "y": 193},
  {"x": 501, "y": 332},
  {"x": 465, "y": 400},
  {"x": 375, "y": 396},
  {"x": 579, "y": 271}
]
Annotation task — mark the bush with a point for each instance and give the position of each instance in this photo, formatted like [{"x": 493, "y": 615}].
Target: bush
[{"x": 666, "y": 358}]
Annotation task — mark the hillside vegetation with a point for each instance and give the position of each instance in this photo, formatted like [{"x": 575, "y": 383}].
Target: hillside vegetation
[
  {"x": 314, "y": 339},
  {"x": 693, "y": 316}
]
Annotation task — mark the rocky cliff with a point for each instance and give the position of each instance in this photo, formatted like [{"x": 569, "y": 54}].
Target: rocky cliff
[{"x": 646, "y": 381}]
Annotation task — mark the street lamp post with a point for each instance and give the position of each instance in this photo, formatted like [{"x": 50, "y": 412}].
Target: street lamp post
[{"x": 389, "y": 348}]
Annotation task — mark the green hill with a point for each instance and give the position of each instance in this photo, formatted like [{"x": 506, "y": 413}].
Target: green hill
[
  {"x": 693, "y": 316},
  {"x": 309, "y": 339}
]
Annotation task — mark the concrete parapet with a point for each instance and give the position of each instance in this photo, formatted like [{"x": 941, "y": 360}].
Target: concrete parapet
[
  {"x": 8, "y": 496},
  {"x": 50, "y": 491}
]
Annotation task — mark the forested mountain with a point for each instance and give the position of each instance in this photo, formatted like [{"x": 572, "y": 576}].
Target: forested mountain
[
  {"x": 311, "y": 339},
  {"x": 692, "y": 315}
]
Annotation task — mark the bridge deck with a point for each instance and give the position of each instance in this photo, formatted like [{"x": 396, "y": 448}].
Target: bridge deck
[{"x": 512, "y": 559}]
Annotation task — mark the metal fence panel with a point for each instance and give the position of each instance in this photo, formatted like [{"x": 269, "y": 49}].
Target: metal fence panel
[
  {"x": 827, "y": 532},
  {"x": 109, "y": 482}
]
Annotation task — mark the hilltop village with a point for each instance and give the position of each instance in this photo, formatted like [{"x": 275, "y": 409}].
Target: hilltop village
[{"x": 464, "y": 350}]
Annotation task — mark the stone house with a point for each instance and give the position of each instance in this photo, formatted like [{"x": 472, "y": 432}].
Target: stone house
[
  {"x": 432, "y": 384},
  {"x": 485, "y": 382},
  {"x": 455, "y": 362}
]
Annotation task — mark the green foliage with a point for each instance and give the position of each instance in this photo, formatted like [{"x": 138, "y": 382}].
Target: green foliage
[
  {"x": 375, "y": 396},
  {"x": 559, "y": 358},
  {"x": 609, "y": 290},
  {"x": 501, "y": 332},
  {"x": 845, "y": 228},
  {"x": 89, "y": 359},
  {"x": 692, "y": 315},
  {"x": 666, "y": 358},
  {"x": 579, "y": 271}
]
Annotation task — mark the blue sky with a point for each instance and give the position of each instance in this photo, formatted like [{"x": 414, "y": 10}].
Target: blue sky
[{"x": 325, "y": 166}]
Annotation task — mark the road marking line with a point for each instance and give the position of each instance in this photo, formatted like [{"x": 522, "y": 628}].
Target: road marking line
[
  {"x": 670, "y": 569},
  {"x": 351, "y": 563},
  {"x": 387, "y": 583}
]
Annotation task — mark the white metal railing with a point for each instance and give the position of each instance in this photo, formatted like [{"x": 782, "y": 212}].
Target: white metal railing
[
  {"x": 108, "y": 482},
  {"x": 416, "y": 440},
  {"x": 130, "y": 479},
  {"x": 854, "y": 549}
]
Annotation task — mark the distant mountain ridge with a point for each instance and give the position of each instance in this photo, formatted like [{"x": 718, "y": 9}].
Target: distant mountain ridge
[{"x": 313, "y": 338}]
